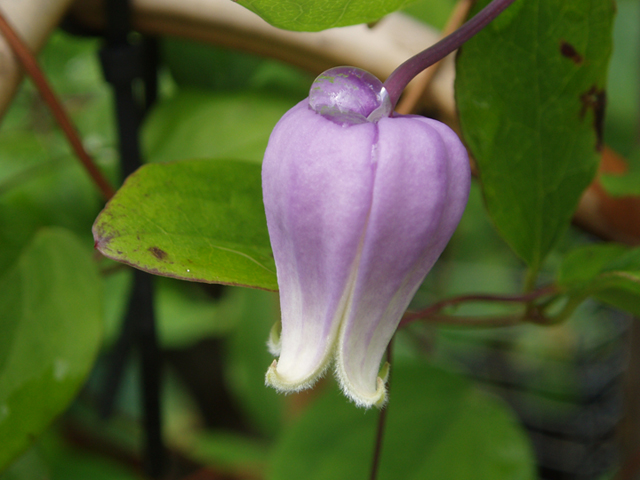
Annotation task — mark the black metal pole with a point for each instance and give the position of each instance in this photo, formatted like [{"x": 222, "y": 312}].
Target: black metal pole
[{"x": 125, "y": 63}]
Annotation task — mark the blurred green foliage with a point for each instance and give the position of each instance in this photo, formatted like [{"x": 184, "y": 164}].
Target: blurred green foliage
[{"x": 223, "y": 104}]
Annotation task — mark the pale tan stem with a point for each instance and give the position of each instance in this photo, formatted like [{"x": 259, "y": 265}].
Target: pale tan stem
[
  {"x": 379, "y": 49},
  {"x": 33, "y": 20},
  {"x": 420, "y": 85}
]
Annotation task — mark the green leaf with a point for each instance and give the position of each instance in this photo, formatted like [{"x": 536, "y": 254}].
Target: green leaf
[
  {"x": 438, "y": 426},
  {"x": 29, "y": 465},
  {"x": 583, "y": 264},
  {"x": 51, "y": 323},
  {"x": 621, "y": 125},
  {"x": 187, "y": 313},
  {"x": 231, "y": 453},
  {"x": 431, "y": 12},
  {"x": 196, "y": 124},
  {"x": 609, "y": 272},
  {"x": 73, "y": 462},
  {"x": 622, "y": 185},
  {"x": 627, "y": 183},
  {"x": 198, "y": 220},
  {"x": 247, "y": 361},
  {"x": 530, "y": 92},
  {"x": 315, "y": 15},
  {"x": 38, "y": 189},
  {"x": 196, "y": 64}
]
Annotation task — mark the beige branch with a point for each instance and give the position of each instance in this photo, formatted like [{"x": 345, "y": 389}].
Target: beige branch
[
  {"x": 34, "y": 20},
  {"x": 379, "y": 49}
]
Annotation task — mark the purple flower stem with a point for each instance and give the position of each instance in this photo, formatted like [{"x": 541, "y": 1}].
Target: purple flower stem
[{"x": 402, "y": 75}]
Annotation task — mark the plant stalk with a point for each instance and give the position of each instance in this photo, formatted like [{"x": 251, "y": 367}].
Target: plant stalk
[
  {"x": 382, "y": 418},
  {"x": 29, "y": 63},
  {"x": 402, "y": 75}
]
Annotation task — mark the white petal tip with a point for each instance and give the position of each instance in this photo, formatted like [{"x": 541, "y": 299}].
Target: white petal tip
[
  {"x": 363, "y": 399},
  {"x": 282, "y": 384}
]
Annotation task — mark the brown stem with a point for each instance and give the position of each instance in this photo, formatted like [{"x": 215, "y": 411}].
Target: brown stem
[
  {"x": 480, "y": 322},
  {"x": 630, "y": 467},
  {"x": 30, "y": 64},
  {"x": 382, "y": 420},
  {"x": 411, "y": 97},
  {"x": 431, "y": 313}
]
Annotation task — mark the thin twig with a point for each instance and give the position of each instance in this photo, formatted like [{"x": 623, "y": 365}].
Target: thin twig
[
  {"x": 382, "y": 420},
  {"x": 412, "y": 96},
  {"x": 629, "y": 468},
  {"x": 431, "y": 313},
  {"x": 476, "y": 321},
  {"x": 30, "y": 64}
]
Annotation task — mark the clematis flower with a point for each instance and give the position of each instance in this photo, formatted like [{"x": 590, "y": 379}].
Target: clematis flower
[{"x": 359, "y": 206}]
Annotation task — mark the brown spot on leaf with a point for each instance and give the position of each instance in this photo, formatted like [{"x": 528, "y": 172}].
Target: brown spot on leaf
[
  {"x": 569, "y": 51},
  {"x": 595, "y": 98},
  {"x": 158, "y": 253}
]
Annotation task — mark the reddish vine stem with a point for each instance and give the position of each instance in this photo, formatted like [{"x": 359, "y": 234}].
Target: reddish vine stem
[
  {"x": 382, "y": 421},
  {"x": 629, "y": 468},
  {"x": 30, "y": 64},
  {"x": 402, "y": 75},
  {"x": 430, "y": 313}
]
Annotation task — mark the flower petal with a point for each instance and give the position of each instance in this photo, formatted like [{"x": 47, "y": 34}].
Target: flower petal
[
  {"x": 317, "y": 188},
  {"x": 420, "y": 191}
]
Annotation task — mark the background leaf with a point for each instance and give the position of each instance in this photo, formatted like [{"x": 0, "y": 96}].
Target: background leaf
[
  {"x": 315, "y": 15},
  {"x": 609, "y": 272},
  {"x": 247, "y": 361},
  {"x": 188, "y": 312},
  {"x": 621, "y": 126},
  {"x": 195, "y": 65},
  {"x": 198, "y": 124},
  {"x": 438, "y": 426},
  {"x": 198, "y": 220},
  {"x": 432, "y": 12},
  {"x": 51, "y": 327},
  {"x": 530, "y": 92}
]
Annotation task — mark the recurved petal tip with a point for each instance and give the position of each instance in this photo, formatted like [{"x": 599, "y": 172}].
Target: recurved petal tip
[
  {"x": 361, "y": 397},
  {"x": 285, "y": 384}
]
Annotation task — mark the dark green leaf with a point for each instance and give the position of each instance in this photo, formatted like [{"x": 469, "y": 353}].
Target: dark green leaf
[
  {"x": 186, "y": 313},
  {"x": 610, "y": 272},
  {"x": 198, "y": 220},
  {"x": 73, "y": 462},
  {"x": 197, "y": 124},
  {"x": 530, "y": 91},
  {"x": 248, "y": 359},
  {"x": 315, "y": 15},
  {"x": 627, "y": 183},
  {"x": 38, "y": 190},
  {"x": 195, "y": 64},
  {"x": 432, "y": 12},
  {"x": 51, "y": 327},
  {"x": 438, "y": 426},
  {"x": 622, "y": 185},
  {"x": 230, "y": 452},
  {"x": 29, "y": 465},
  {"x": 621, "y": 125},
  {"x": 584, "y": 264}
]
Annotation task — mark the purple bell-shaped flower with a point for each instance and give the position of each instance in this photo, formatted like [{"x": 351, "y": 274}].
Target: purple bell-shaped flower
[{"x": 359, "y": 205}]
